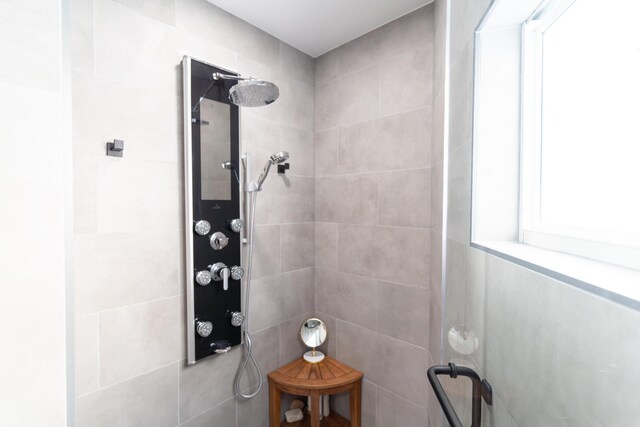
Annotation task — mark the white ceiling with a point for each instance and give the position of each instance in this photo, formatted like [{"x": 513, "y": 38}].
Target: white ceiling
[{"x": 318, "y": 26}]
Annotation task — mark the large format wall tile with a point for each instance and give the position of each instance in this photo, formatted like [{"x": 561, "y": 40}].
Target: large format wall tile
[
  {"x": 349, "y": 199},
  {"x": 115, "y": 270},
  {"x": 296, "y": 64},
  {"x": 139, "y": 338},
  {"x": 150, "y": 399},
  {"x": 392, "y": 410},
  {"x": 350, "y": 99},
  {"x": 404, "y": 313},
  {"x": 395, "y": 254},
  {"x": 410, "y": 207},
  {"x": 326, "y": 245},
  {"x": 326, "y": 152},
  {"x": 415, "y": 88},
  {"x": 297, "y": 246},
  {"x": 402, "y": 141},
  {"x": 149, "y": 62},
  {"x": 207, "y": 383},
  {"x": 348, "y": 297},
  {"x": 223, "y": 415}
]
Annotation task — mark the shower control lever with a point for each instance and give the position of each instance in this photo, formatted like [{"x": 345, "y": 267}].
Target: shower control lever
[
  {"x": 220, "y": 272},
  {"x": 218, "y": 240}
]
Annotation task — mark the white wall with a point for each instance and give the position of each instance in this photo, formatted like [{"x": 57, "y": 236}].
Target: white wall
[{"x": 35, "y": 153}]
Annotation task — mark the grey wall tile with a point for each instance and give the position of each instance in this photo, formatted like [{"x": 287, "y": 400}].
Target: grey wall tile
[
  {"x": 291, "y": 346},
  {"x": 150, "y": 399},
  {"x": 266, "y": 251},
  {"x": 299, "y": 144},
  {"x": 359, "y": 348},
  {"x": 327, "y": 67},
  {"x": 265, "y": 303},
  {"x": 297, "y": 295},
  {"x": 415, "y": 88},
  {"x": 329, "y": 346},
  {"x": 149, "y": 62},
  {"x": 435, "y": 330},
  {"x": 365, "y": 147},
  {"x": 100, "y": 286},
  {"x": 100, "y": 115},
  {"x": 326, "y": 245},
  {"x": 297, "y": 246},
  {"x": 437, "y": 195},
  {"x": 347, "y": 297},
  {"x": 404, "y": 313},
  {"x": 222, "y": 415},
  {"x": 256, "y": 44},
  {"x": 266, "y": 351},
  {"x": 349, "y": 199},
  {"x": 361, "y": 91},
  {"x": 124, "y": 208},
  {"x": 139, "y": 339},
  {"x": 87, "y": 354},
  {"x": 326, "y": 152},
  {"x": 402, "y": 369},
  {"x": 392, "y": 410},
  {"x": 340, "y": 404},
  {"x": 459, "y": 200},
  {"x": 382, "y": 253},
  {"x": 405, "y": 198},
  {"x": 163, "y": 10},
  {"x": 296, "y": 63},
  {"x": 289, "y": 199},
  {"x": 254, "y": 412},
  {"x": 207, "y": 21},
  {"x": 207, "y": 383}
]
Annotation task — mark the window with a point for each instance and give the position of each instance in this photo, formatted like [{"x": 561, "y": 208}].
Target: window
[
  {"x": 581, "y": 130},
  {"x": 556, "y": 141}
]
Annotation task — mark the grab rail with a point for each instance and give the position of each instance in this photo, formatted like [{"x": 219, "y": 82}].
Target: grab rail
[{"x": 481, "y": 390}]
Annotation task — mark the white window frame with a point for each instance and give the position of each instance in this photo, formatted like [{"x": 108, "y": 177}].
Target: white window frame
[
  {"x": 620, "y": 249},
  {"x": 503, "y": 173}
]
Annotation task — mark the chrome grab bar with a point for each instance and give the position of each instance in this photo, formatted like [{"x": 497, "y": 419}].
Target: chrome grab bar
[{"x": 481, "y": 390}]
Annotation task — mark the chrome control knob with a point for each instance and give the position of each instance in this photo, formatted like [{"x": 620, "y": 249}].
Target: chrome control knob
[
  {"x": 204, "y": 329},
  {"x": 218, "y": 240},
  {"x": 237, "y": 272},
  {"x": 236, "y": 225},
  {"x": 237, "y": 318},
  {"x": 203, "y": 278},
  {"x": 220, "y": 272},
  {"x": 202, "y": 227}
]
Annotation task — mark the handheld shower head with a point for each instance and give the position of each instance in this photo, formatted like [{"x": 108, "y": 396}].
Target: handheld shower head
[{"x": 279, "y": 157}]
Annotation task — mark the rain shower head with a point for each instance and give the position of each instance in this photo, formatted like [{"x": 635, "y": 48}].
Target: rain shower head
[
  {"x": 250, "y": 92},
  {"x": 253, "y": 93},
  {"x": 279, "y": 157}
]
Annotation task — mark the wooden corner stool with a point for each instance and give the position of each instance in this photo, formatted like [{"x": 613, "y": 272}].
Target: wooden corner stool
[{"x": 302, "y": 378}]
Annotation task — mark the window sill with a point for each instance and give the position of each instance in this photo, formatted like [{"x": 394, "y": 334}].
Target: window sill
[{"x": 614, "y": 283}]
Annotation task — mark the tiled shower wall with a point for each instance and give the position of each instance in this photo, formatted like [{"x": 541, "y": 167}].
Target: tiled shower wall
[
  {"x": 127, "y": 84},
  {"x": 554, "y": 354},
  {"x": 374, "y": 228}
]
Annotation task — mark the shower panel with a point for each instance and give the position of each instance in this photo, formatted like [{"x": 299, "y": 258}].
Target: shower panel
[{"x": 213, "y": 223}]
